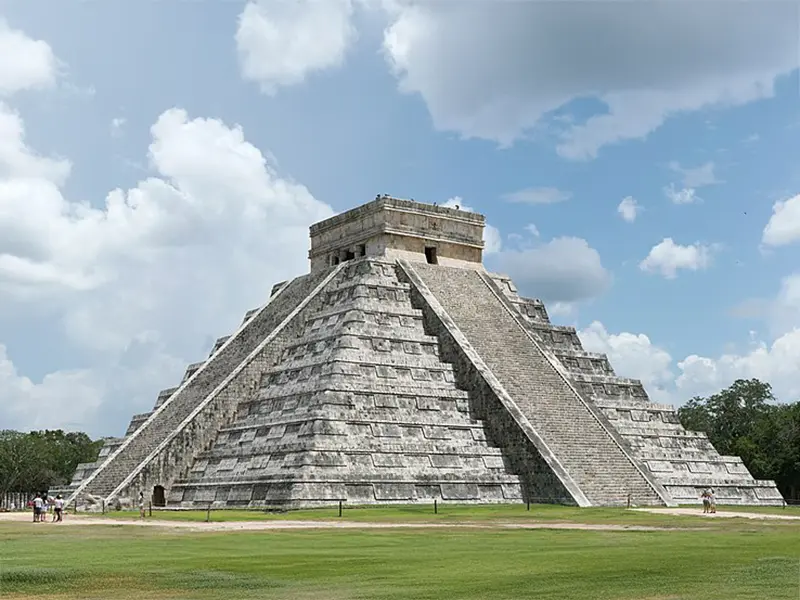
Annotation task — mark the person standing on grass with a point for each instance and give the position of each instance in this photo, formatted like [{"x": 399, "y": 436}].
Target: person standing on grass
[
  {"x": 37, "y": 508},
  {"x": 712, "y": 501},
  {"x": 706, "y": 503},
  {"x": 58, "y": 509},
  {"x": 141, "y": 505}
]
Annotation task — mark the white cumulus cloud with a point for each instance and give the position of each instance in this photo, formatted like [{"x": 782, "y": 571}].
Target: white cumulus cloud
[
  {"x": 281, "y": 42},
  {"x": 696, "y": 177},
  {"x": 646, "y": 61},
  {"x": 783, "y": 227},
  {"x": 541, "y": 195},
  {"x": 25, "y": 63},
  {"x": 565, "y": 270},
  {"x": 666, "y": 380},
  {"x": 681, "y": 196},
  {"x": 667, "y": 258},
  {"x": 140, "y": 283},
  {"x": 628, "y": 209},
  {"x": 633, "y": 355}
]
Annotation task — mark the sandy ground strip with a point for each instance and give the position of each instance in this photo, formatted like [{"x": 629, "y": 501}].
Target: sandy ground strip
[
  {"x": 23, "y": 517},
  {"x": 70, "y": 519},
  {"x": 720, "y": 514}
]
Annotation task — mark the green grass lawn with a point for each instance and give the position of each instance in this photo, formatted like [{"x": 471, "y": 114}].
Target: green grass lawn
[
  {"x": 417, "y": 513},
  {"x": 725, "y": 560},
  {"x": 450, "y": 513}
]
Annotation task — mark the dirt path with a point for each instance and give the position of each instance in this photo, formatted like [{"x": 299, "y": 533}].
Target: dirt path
[
  {"x": 71, "y": 520},
  {"x": 722, "y": 514}
]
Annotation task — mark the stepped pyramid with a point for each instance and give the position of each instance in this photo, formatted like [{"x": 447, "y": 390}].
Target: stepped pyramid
[{"x": 398, "y": 371}]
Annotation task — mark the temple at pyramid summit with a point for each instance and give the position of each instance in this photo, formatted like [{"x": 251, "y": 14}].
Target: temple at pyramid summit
[{"x": 399, "y": 370}]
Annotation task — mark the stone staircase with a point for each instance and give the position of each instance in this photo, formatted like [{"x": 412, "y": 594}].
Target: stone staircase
[
  {"x": 597, "y": 463},
  {"x": 200, "y": 381}
]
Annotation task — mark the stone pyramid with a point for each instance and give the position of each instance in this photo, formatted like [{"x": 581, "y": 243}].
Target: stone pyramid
[{"x": 400, "y": 371}]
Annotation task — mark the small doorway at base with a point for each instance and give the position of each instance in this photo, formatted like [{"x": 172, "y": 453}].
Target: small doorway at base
[
  {"x": 430, "y": 255},
  {"x": 159, "y": 497}
]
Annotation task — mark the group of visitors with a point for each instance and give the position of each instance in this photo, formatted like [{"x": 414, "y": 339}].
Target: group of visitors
[
  {"x": 44, "y": 504},
  {"x": 709, "y": 501}
]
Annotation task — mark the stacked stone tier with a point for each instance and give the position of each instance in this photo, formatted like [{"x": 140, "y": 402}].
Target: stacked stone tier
[
  {"x": 137, "y": 421},
  {"x": 580, "y": 362},
  {"x": 191, "y": 370},
  {"x": 219, "y": 343},
  {"x": 164, "y": 395}
]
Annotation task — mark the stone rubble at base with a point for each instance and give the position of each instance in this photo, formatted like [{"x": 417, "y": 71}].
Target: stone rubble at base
[{"x": 400, "y": 371}]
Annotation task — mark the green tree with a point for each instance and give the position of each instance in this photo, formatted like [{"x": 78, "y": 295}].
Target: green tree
[
  {"x": 744, "y": 420},
  {"x": 39, "y": 460}
]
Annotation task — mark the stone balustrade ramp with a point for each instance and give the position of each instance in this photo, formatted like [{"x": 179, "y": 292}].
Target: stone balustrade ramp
[{"x": 597, "y": 463}]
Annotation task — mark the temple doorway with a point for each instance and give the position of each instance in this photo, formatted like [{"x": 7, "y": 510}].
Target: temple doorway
[{"x": 159, "y": 497}]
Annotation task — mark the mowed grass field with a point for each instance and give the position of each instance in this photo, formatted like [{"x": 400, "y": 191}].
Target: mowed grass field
[
  {"x": 454, "y": 513},
  {"x": 713, "y": 559}
]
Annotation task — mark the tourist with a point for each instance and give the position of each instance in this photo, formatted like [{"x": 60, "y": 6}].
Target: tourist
[
  {"x": 58, "y": 509},
  {"x": 706, "y": 502},
  {"x": 141, "y": 505},
  {"x": 712, "y": 501},
  {"x": 37, "y": 508}
]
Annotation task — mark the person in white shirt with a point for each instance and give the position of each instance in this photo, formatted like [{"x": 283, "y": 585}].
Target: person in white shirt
[
  {"x": 38, "y": 504},
  {"x": 58, "y": 509}
]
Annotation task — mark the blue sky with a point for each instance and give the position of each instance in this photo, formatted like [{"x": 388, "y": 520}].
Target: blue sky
[{"x": 228, "y": 127}]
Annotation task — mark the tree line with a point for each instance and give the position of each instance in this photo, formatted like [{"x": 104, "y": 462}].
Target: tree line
[
  {"x": 38, "y": 461},
  {"x": 745, "y": 420},
  {"x": 742, "y": 420}
]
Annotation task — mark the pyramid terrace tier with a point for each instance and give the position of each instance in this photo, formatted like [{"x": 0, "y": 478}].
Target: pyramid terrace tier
[
  {"x": 137, "y": 421},
  {"x": 164, "y": 395},
  {"x": 532, "y": 309},
  {"x": 219, "y": 343},
  {"x": 601, "y": 389},
  {"x": 433, "y": 429},
  {"x": 554, "y": 337},
  {"x": 580, "y": 362},
  {"x": 354, "y": 463},
  {"x": 294, "y": 493},
  {"x": 377, "y": 400}
]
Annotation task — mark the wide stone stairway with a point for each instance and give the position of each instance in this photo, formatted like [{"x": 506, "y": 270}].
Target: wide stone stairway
[{"x": 597, "y": 463}]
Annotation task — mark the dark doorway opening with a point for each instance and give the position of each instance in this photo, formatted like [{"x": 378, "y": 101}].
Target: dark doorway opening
[
  {"x": 350, "y": 255},
  {"x": 430, "y": 255},
  {"x": 159, "y": 497},
  {"x": 362, "y": 250}
]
